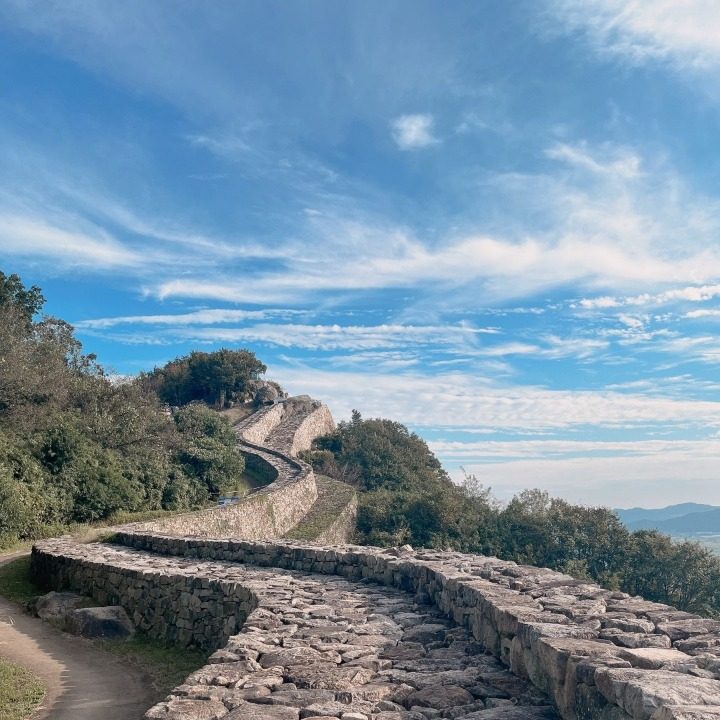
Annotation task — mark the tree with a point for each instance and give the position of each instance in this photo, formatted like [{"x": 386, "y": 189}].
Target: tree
[
  {"x": 405, "y": 495},
  {"x": 214, "y": 378},
  {"x": 210, "y": 452},
  {"x": 27, "y": 302},
  {"x": 76, "y": 445}
]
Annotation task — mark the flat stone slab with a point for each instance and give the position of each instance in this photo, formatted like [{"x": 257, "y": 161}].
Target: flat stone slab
[
  {"x": 642, "y": 692},
  {"x": 56, "y": 606}
]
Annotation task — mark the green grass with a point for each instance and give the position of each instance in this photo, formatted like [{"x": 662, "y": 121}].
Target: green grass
[
  {"x": 85, "y": 532},
  {"x": 333, "y": 498},
  {"x": 167, "y": 666},
  {"x": 20, "y": 691},
  {"x": 15, "y": 582}
]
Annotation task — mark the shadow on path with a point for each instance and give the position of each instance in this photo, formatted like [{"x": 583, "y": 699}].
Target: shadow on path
[{"x": 83, "y": 682}]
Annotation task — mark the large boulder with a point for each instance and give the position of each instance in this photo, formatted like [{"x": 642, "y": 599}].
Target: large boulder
[
  {"x": 56, "y": 606},
  {"x": 101, "y": 622}
]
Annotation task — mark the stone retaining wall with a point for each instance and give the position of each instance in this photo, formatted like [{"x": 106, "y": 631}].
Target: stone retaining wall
[
  {"x": 597, "y": 653},
  {"x": 275, "y": 509},
  {"x": 340, "y": 531},
  {"x": 316, "y": 424},
  {"x": 184, "y": 608},
  {"x": 260, "y": 424},
  {"x": 312, "y": 645}
]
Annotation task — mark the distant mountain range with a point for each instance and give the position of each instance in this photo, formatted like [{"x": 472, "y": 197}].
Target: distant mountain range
[{"x": 682, "y": 519}]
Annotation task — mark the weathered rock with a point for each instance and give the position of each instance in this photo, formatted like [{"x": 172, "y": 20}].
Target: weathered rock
[
  {"x": 641, "y": 692},
  {"x": 56, "y": 606},
  {"x": 425, "y": 633},
  {"x": 652, "y": 658},
  {"x": 101, "y": 622},
  {"x": 440, "y": 697},
  {"x": 188, "y": 710},
  {"x": 327, "y": 675},
  {"x": 694, "y": 712},
  {"x": 289, "y": 656},
  {"x": 297, "y": 698},
  {"x": 513, "y": 712},
  {"x": 251, "y": 711}
]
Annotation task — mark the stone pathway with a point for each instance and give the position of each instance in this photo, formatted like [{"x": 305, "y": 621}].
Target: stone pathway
[{"x": 323, "y": 646}]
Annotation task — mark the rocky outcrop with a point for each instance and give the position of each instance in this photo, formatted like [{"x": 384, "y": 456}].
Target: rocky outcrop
[{"x": 110, "y": 622}]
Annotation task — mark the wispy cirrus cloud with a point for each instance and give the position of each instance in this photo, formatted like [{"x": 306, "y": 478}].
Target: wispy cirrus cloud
[
  {"x": 317, "y": 337},
  {"x": 620, "y": 162},
  {"x": 686, "y": 33},
  {"x": 465, "y": 400},
  {"x": 72, "y": 243},
  {"x": 210, "y": 316}
]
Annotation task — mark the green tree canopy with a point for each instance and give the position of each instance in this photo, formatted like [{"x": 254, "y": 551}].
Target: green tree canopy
[
  {"x": 77, "y": 445},
  {"x": 214, "y": 377}
]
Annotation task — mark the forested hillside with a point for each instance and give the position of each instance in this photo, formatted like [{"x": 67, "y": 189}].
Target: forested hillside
[
  {"x": 406, "y": 497},
  {"x": 77, "y": 445}
]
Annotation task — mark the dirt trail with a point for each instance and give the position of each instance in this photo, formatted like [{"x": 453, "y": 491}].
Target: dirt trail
[{"x": 83, "y": 682}]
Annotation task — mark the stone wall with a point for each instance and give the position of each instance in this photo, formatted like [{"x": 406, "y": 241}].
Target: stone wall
[
  {"x": 269, "y": 439},
  {"x": 313, "y": 646},
  {"x": 187, "y": 608},
  {"x": 341, "y": 530},
  {"x": 268, "y": 512},
  {"x": 597, "y": 653},
  {"x": 316, "y": 424},
  {"x": 260, "y": 424}
]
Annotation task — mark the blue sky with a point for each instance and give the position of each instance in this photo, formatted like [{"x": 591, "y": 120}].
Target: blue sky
[{"x": 494, "y": 221}]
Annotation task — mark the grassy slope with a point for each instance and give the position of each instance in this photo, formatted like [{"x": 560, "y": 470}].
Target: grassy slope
[
  {"x": 87, "y": 532},
  {"x": 20, "y": 691},
  {"x": 333, "y": 497}
]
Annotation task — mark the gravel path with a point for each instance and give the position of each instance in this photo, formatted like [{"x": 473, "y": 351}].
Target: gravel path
[{"x": 83, "y": 682}]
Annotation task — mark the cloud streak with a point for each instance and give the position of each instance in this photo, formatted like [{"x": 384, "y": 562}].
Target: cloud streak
[{"x": 685, "y": 33}]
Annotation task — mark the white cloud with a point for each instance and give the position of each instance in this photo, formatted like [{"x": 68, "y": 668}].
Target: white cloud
[
  {"x": 413, "y": 131},
  {"x": 89, "y": 246},
  {"x": 685, "y": 32},
  {"x": 621, "y": 162},
  {"x": 465, "y": 400},
  {"x": 706, "y": 313},
  {"x": 503, "y": 269},
  {"x": 341, "y": 337},
  {"x": 693, "y": 293},
  {"x": 651, "y": 480},
  {"x": 197, "y": 317}
]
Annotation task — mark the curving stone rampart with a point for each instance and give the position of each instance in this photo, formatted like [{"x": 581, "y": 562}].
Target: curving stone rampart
[
  {"x": 270, "y": 439},
  {"x": 596, "y": 653},
  {"x": 310, "y": 645},
  {"x": 318, "y": 620}
]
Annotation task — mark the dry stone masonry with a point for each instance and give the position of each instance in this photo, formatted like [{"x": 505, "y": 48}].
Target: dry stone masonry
[
  {"x": 302, "y": 630},
  {"x": 310, "y": 645},
  {"x": 270, "y": 440}
]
